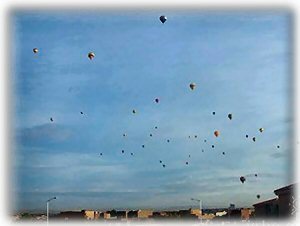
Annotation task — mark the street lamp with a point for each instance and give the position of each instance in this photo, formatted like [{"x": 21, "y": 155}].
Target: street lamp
[
  {"x": 48, "y": 208},
  {"x": 200, "y": 206}
]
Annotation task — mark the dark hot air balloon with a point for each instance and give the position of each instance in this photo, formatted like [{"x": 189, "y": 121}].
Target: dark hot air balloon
[
  {"x": 193, "y": 86},
  {"x": 91, "y": 55},
  {"x": 258, "y": 196},
  {"x": 35, "y": 50},
  {"x": 242, "y": 179},
  {"x": 163, "y": 19},
  {"x": 230, "y": 116}
]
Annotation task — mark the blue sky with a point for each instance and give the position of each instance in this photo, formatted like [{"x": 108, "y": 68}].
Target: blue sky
[{"x": 240, "y": 62}]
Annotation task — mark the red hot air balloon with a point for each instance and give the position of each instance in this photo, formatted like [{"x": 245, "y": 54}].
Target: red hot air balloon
[{"x": 216, "y": 133}]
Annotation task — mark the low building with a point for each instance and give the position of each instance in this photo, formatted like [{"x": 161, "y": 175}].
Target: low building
[
  {"x": 91, "y": 214},
  {"x": 145, "y": 213}
]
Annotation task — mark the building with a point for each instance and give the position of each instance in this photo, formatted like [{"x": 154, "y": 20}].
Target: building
[
  {"x": 280, "y": 207},
  {"x": 145, "y": 214},
  {"x": 91, "y": 214},
  {"x": 71, "y": 215},
  {"x": 285, "y": 200}
]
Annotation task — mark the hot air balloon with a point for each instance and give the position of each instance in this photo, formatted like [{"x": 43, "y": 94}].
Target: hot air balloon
[
  {"x": 155, "y": 127},
  {"x": 51, "y": 119},
  {"x": 143, "y": 146},
  {"x": 193, "y": 86},
  {"x": 164, "y": 165},
  {"x": 258, "y": 196},
  {"x": 247, "y": 136},
  {"x": 131, "y": 153},
  {"x": 242, "y": 179},
  {"x": 217, "y": 133},
  {"x": 223, "y": 153},
  {"x": 214, "y": 113},
  {"x": 255, "y": 175},
  {"x": 189, "y": 136},
  {"x": 254, "y": 139},
  {"x": 35, "y": 50},
  {"x": 91, "y": 55},
  {"x": 124, "y": 134},
  {"x": 133, "y": 111},
  {"x": 81, "y": 112},
  {"x": 160, "y": 161},
  {"x": 196, "y": 136},
  {"x": 205, "y": 141},
  {"x": 101, "y": 154},
  {"x": 168, "y": 141},
  {"x": 213, "y": 146},
  {"x": 278, "y": 146},
  {"x": 163, "y": 19},
  {"x": 123, "y": 151},
  {"x": 186, "y": 163},
  {"x": 230, "y": 116},
  {"x": 189, "y": 156},
  {"x": 261, "y": 130},
  {"x": 150, "y": 134},
  {"x": 156, "y": 100}
]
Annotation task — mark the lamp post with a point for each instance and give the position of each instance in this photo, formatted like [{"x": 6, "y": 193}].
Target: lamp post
[
  {"x": 48, "y": 209},
  {"x": 200, "y": 206}
]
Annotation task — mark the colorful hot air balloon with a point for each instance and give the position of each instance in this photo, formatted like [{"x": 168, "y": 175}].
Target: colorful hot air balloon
[
  {"x": 91, "y": 55},
  {"x": 242, "y": 179},
  {"x": 216, "y": 133},
  {"x": 193, "y": 86},
  {"x": 261, "y": 130},
  {"x": 163, "y": 19},
  {"x": 35, "y": 50}
]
